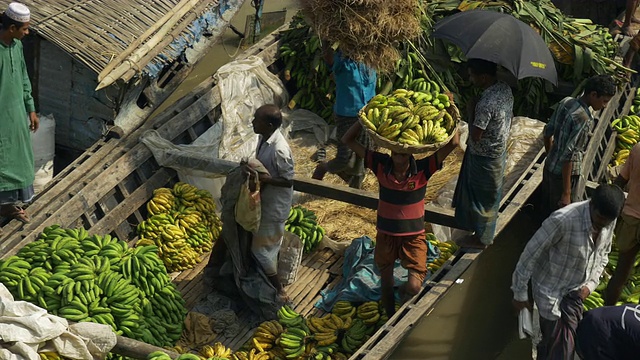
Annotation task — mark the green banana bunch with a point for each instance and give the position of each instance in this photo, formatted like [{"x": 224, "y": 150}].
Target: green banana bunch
[
  {"x": 628, "y": 129},
  {"x": 304, "y": 66},
  {"x": 356, "y": 336},
  {"x": 303, "y": 222},
  {"x": 293, "y": 342},
  {"x": 410, "y": 117},
  {"x": 344, "y": 310},
  {"x": 183, "y": 225},
  {"x": 98, "y": 279},
  {"x": 369, "y": 313}
]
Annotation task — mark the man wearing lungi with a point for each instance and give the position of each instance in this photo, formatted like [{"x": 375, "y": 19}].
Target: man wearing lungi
[{"x": 479, "y": 188}]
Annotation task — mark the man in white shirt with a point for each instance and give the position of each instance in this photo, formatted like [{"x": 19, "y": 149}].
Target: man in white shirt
[
  {"x": 564, "y": 261},
  {"x": 276, "y": 191}
]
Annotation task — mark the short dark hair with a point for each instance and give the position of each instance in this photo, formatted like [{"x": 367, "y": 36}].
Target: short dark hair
[
  {"x": 7, "y": 22},
  {"x": 271, "y": 114},
  {"x": 603, "y": 85},
  {"x": 608, "y": 200},
  {"x": 482, "y": 67}
]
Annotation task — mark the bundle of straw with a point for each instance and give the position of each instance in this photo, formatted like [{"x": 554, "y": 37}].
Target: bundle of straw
[{"x": 367, "y": 31}]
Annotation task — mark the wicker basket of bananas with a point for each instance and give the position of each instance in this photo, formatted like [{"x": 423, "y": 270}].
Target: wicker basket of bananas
[{"x": 409, "y": 121}]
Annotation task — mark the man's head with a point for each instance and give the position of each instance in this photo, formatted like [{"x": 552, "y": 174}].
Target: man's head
[
  {"x": 15, "y": 20},
  {"x": 266, "y": 119},
  {"x": 400, "y": 160},
  {"x": 599, "y": 90},
  {"x": 482, "y": 73},
  {"x": 606, "y": 205}
]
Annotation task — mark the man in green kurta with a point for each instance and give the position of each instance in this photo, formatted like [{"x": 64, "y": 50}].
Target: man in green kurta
[{"x": 17, "y": 116}]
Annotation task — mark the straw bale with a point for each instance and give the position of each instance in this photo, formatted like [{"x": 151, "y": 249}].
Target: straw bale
[
  {"x": 343, "y": 221},
  {"x": 367, "y": 30}
]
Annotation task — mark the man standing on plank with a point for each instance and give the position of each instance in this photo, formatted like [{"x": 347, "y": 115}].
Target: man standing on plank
[
  {"x": 479, "y": 188},
  {"x": 566, "y": 136},
  {"x": 17, "y": 116},
  {"x": 564, "y": 260},
  {"x": 403, "y": 185},
  {"x": 276, "y": 191}
]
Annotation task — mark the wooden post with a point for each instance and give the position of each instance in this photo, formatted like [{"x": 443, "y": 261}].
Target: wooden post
[{"x": 137, "y": 349}]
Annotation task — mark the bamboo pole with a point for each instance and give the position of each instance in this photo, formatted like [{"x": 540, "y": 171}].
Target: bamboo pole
[
  {"x": 134, "y": 45},
  {"x": 166, "y": 41},
  {"x": 133, "y": 60}
]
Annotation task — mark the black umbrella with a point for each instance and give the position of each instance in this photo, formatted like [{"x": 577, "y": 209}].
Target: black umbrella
[{"x": 502, "y": 39}]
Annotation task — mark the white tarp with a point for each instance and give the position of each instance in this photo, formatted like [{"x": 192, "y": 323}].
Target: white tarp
[{"x": 26, "y": 329}]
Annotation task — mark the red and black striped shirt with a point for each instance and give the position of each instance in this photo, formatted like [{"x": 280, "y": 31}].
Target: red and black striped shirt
[{"x": 401, "y": 203}]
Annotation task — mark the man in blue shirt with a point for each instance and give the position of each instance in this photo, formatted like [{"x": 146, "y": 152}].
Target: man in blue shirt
[{"x": 355, "y": 86}]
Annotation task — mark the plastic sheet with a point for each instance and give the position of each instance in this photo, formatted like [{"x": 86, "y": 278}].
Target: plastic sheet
[
  {"x": 44, "y": 148},
  {"x": 244, "y": 86}
]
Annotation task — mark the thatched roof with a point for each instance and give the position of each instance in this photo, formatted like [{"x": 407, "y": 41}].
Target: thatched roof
[{"x": 96, "y": 32}]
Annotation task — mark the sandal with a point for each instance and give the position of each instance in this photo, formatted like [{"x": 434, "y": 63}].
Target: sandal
[{"x": 15, "y": 212}]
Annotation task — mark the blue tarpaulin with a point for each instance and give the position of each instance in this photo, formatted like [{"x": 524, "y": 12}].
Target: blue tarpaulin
[{"x": 361, "y": 279}]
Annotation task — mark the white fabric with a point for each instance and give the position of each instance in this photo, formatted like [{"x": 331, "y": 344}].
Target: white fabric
[
  {"x": 26, "y": 329},
  {"x": 18, "y": 12},
  {"x": 275, "y": 155},
  {"x": 525, "y": 323}
]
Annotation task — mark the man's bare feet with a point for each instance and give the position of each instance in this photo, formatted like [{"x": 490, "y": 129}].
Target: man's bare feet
[
  {"x": 628, "y": 31},
  {"x": 471, "y": 241}
]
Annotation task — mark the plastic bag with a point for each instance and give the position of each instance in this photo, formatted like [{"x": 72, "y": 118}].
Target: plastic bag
[
  {"x": 248, "y": 210},
  {"x": 289, "y": 258},
  {"x": 337, "y": 247},
  {"x": 43, "y": 142}
]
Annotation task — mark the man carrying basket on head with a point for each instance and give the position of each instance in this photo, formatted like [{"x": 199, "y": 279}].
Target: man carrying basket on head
[{"x": 403, "y": 185}]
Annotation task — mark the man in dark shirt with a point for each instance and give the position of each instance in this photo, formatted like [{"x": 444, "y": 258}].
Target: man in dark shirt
[{"x": 610, "y": 333}]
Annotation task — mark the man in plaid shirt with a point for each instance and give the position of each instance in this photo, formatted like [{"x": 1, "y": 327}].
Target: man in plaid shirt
[
  {"x": 564, "y": 261},
  {"x": 565, "y": 140}
]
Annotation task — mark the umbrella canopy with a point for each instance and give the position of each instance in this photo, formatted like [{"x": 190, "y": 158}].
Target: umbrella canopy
[{"x": 500, "y": 38}]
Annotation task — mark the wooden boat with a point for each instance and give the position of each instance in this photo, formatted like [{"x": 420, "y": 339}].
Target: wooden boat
[{"x": 105, "y": 191}]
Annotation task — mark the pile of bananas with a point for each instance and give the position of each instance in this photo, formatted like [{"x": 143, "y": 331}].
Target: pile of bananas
[
  {"x": 356, "y": 336},
  {"x": 628, "y": 129},
  {"x": 409, "y": 117},
  {"x": 447, "y": 249},
  {"x": 328, "y": 328},
  {"x": 303, "y": 223},
  {"x": 182, "y": 224},
  {"x": 304, "y": 66},
  {"x": 344, "y": 309},
  {"x": 369, "y": 313},
  {"x": 216, "y": 352},
  {"x": 265, "y": 336},
  {"x": 635, "y": 107},
  {"x": 98, "y": 279}
]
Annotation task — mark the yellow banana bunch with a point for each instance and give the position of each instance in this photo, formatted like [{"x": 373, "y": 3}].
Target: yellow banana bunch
[
  {"x": 447, "y": 249},
  {"x": 183, "y": 225},
  {"x": 628, "y": 134},
  {"x": 369, "y": 312},
  {"x": 409, "y": 117},
  {"x": 266, "y": 334},
  {"x": 344, "y": 310}
]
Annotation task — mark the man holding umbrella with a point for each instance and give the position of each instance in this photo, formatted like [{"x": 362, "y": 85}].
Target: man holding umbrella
[
  {"x": 481, "y": 35},
  {"x": 479, "y": 187}
]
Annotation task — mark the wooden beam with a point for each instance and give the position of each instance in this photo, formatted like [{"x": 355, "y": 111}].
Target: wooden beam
[
  {"x": 138, "y": 349},
  {"x": 433, "y": 214}
]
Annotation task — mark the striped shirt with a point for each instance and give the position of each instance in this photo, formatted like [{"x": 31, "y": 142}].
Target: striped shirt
[
  {"x": 569, "y": 125},
  {"x": 562, "y": 257},
  {"x": 401, "y": 203}
]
